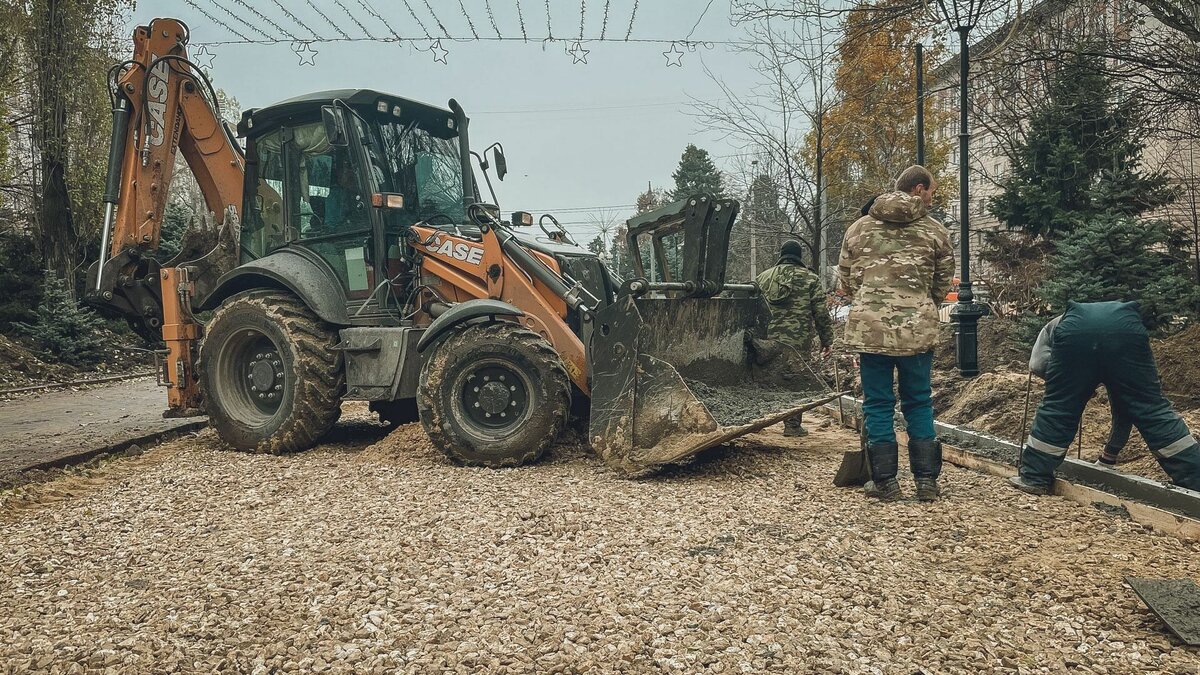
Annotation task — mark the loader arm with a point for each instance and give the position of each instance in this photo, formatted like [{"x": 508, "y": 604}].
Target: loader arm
[{"x": 164, "y": 105}]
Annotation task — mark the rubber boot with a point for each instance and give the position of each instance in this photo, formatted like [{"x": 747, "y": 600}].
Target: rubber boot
[
  {"x": 1184, "y": 467},
  {"x": 1036, "y": 473},
  {"x": 884, "y": 464},
  {"x": 925, "y": 460},
  {"x": 792, "y": 427}
]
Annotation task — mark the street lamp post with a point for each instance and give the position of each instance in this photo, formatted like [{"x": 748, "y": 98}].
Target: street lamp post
[{"x": 962, "y": 15}]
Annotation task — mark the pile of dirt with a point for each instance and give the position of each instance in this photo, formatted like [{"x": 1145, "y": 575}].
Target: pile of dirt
[
  {"x": 1000, "y": 346},
  {"x": 1178, "y": 366},
  {"x": 21, "y": 364},
  {"x": 994, "y": 403}
]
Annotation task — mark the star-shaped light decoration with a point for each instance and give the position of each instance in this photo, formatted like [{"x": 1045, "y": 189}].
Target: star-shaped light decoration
[
  {"x": 308, "y": 55},
  {"x": 439, "y": 53},
  {"x": 203, "y": 58},
  {"x": 674, "y": 55},
  {"x": 578, "y": 53}
]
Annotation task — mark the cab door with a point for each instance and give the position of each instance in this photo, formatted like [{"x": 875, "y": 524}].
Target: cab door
[{"x": 329, "y": 208}]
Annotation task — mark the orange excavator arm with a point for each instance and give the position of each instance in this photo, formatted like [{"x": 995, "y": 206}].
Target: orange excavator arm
[{"x": 163, "y": 105}]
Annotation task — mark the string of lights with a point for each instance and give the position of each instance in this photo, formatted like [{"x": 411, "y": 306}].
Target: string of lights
[
  {"x": 304, "y": 47},
  {"x": 353, "y": 18},
  {"x": 467, "y": 16},
  {"x": 420, "y": 24},
  {"x": 217, "y": 21},
  {"x": 604, "y": 23},
  {"x": 492, "y": 17},
  {"x": 328, "y": 20},
  {"x": 239, "y": 18},
  {"x": 521, "y": 18},
  {"x": 369, "y": 9},
  {"x": 436, "y": 19},
  {"x": 280, "y": 29},
  {"x": 295, "y": 19}
]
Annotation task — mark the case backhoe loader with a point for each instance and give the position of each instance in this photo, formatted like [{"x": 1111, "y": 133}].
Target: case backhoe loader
[{"x": 351, "y": 258}]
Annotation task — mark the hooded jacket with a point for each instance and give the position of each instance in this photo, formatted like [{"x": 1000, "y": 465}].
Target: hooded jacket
[{"x": 897, "y": 265}]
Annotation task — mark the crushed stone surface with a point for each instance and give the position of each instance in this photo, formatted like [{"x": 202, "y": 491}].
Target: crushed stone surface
[{"x": 374, "y": 554}]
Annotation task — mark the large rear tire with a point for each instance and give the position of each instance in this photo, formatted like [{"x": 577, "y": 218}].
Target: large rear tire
[
  {"x": 272, "y": 381},
  {"x": 494, "y": 395}
]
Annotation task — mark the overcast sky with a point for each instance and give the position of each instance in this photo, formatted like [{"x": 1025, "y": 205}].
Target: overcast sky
[{"x": 576, "y": 136}]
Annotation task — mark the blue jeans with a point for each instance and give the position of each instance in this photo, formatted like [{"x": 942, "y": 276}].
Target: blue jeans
[{"x": 879, "y": 401}]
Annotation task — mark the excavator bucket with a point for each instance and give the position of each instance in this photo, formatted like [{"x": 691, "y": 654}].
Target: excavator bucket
[{"x": 676, "y": 363}]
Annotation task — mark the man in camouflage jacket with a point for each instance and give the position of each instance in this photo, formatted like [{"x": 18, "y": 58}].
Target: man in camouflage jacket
[
  {"x": 897, "y": 265},
  {"x": 798, "y": 313}
]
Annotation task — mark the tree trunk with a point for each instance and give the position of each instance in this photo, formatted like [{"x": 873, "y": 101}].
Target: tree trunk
[{"x": 56, "y": 229}]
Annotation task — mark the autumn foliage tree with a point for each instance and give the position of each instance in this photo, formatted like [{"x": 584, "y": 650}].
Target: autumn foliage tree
[{"x": 870, "y": 129}]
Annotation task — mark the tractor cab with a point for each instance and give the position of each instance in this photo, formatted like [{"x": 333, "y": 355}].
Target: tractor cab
[{"x": 338, "y": 176}]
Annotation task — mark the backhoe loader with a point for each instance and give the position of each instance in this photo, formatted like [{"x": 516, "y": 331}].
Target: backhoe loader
[{"x": 351, "y": 257}]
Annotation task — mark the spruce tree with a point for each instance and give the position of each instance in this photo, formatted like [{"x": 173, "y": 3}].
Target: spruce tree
[
  {"x": 1114, "y": 256},
  {"x": 696, "y": 173},
  {"x": 1082, "y": 139},
  {"x": 64, "y": 330}
]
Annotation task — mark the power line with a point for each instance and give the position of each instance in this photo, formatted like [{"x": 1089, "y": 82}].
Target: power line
[
  {"x": 632, "y": 17},
  {"x": 353, "y": 18},
  {"x": 328, "y": 20},
  {"x": 534, "y": 111},
  {"x": 217, "y": 21},
  {"x": 295, "y": 18},
  {"x": 467, "y": 16},
  {"x": 235, "y": 15}
]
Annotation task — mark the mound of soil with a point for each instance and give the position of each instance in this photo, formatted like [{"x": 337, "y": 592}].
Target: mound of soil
[
  {"x": 1179, "y": 366},
  {"x": 21, "y": 365}
]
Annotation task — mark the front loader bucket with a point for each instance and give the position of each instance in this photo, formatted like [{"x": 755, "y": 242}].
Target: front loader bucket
[{"x": 674, "y": 376}]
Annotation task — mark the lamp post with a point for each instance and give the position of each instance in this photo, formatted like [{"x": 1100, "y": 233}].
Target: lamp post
[{"x": 962, "y": 16}]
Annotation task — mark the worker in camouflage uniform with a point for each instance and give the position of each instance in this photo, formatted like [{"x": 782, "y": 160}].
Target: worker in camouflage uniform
[
  {"x": 798, "y": 314},
  {"x": 897, "y": 264},
  {"x": 1096, "y": 343}
]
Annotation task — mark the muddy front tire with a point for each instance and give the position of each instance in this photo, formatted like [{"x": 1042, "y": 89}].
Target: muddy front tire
[
  {"x": 272, "y": 381},
  {"x": 494, "y": 395}
]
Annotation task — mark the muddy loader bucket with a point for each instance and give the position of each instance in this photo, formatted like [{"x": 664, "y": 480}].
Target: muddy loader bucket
[{"x": 674, "y": 376}]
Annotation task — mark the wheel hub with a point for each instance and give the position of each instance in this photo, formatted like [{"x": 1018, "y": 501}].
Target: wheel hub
[
  {"x": 494, "y": 396},
  {"x": 265, "y": 373}
]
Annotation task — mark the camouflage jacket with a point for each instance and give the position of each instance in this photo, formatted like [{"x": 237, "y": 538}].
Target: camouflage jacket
[
  {"x": 797, "y": 305},
  {"x": 897, "y": 265}
]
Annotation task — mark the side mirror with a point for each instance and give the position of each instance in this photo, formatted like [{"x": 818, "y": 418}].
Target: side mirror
[
  {"x": 335, "y": 126},
  {"x": 501, "y": 165}
]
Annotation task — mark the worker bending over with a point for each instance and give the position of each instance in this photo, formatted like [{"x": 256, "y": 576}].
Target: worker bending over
[
  {"x": 798, "y": 314},
  {"x": 1105, "y": 343}
]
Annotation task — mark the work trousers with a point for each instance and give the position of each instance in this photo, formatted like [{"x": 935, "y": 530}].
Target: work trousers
[
  {"x": 1105, "y": 343},
  {"x": 879, "y": 400}
]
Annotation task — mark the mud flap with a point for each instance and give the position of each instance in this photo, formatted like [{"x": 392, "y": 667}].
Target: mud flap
[{"x": 644, "y": 354}]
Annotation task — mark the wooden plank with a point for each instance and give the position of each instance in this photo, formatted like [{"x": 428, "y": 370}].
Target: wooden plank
[{"x": 1159, "y": 520}]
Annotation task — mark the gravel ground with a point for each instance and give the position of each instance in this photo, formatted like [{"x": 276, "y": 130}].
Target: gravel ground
[{"x": 385, "y": 558}]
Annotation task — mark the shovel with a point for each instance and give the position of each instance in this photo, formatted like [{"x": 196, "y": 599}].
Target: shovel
[{"x": 855, "y": 470}]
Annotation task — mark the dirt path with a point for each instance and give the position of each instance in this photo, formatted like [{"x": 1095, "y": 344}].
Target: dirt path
[
  {"x": 60, "y": 424},
  {"x": 365, "y": 556}
]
